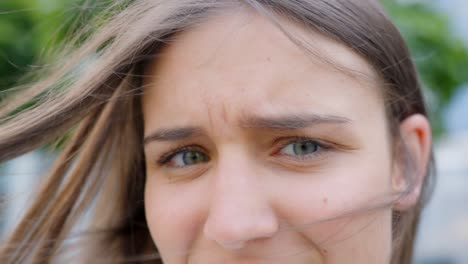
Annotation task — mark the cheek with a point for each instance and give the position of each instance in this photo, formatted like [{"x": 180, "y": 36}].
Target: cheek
[
  {"x": 340, "y": 208},
  {"x": 346, "y": 187},
  {"x": 364, "y": 238},
  {"x": 173, "y": 217}
]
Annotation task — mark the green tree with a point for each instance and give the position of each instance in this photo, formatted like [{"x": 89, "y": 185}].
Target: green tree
[{"x": 29, "y": 29}]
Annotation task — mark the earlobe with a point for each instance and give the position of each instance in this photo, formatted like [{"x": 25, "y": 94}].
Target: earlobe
[{"x": 412, "y": 161}]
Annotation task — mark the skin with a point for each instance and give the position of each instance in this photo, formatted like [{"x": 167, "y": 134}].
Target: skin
[{"x": 293, "y": 154}]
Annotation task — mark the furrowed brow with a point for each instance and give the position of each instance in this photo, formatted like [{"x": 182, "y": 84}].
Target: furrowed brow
[
  {"x": 291, "y": 122},
  {"x": 173, "y": 134}
]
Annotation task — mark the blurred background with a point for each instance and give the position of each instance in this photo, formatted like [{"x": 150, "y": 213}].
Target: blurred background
[{"x": 436, "y": 31}]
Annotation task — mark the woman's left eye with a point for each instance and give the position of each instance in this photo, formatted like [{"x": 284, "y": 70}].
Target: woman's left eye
[
  {"x": 184, "y": 158},
  {"x": 301, "y": 148}
]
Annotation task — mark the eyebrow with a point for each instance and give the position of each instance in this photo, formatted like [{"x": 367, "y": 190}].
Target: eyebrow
[
  {"x": 291, "y": 122},
  {"x": 285, "y": 122},
  {"x": 173, "y": 134}
]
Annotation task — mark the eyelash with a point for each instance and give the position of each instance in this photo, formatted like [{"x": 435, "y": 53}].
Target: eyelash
[
  {"x": 322, "y": 147},
  {"x": 165, "y": 158}
]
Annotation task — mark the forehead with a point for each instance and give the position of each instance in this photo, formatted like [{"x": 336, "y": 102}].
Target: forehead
[{"x": 240, "y": 62}]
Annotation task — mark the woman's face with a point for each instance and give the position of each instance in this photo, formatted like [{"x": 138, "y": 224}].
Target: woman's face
[{"x": 257, "y": 152}]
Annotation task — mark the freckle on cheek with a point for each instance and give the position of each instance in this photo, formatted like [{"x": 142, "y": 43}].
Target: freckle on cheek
[{"x": 325, "y": 200}]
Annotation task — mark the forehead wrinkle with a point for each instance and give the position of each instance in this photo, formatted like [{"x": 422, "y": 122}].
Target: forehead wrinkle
[
  {"x": 218, "y": 119},
  {"x": 210, "y": 114}
]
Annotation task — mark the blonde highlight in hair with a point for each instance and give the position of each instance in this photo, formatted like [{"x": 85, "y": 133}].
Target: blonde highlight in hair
[{"x": 99, "y": 176}]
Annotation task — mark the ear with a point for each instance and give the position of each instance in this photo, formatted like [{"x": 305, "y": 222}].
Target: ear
[{"x": 416, "y": 140}]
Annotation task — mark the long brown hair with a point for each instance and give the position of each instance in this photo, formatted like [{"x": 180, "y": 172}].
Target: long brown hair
[{"x": 93, "y": 93}]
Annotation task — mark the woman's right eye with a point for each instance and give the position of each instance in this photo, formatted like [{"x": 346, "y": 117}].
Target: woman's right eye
[{"x": 185, "y": 158}]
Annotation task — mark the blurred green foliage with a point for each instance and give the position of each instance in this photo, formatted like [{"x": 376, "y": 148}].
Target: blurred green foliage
[
  {"x": 442, "y": 58},
  {"x": 28, "y": 27}
]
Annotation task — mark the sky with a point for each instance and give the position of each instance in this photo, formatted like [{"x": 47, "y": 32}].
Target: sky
[{"x": 458, "y": 12}]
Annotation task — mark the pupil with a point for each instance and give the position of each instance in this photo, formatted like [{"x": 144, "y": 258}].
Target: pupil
[
  {"x": 192, "y": 157},
  {"x": 305, "y": 148}
]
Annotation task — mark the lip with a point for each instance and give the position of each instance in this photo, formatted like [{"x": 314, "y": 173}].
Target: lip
[
  {"x": 310, "y": 259},
  {"x": 257, "y": 252},
  {"x": 243, "y": 261}
]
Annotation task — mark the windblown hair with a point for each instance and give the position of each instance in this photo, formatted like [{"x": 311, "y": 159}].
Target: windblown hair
[{"x": 94, "y": 91}]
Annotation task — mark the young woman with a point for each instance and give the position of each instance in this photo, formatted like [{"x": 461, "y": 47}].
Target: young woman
[{"x": 244, "y": 131}]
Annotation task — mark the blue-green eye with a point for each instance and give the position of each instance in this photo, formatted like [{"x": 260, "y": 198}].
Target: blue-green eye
[
  {"x": 184, "y": 158},
  {"x": 301, "y": 148}
]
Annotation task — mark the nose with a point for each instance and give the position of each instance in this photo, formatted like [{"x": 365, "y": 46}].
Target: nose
[{"x": 239, "y": 209}]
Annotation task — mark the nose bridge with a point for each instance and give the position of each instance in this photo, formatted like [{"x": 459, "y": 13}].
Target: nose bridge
[{"x": 239, "y": 208}]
